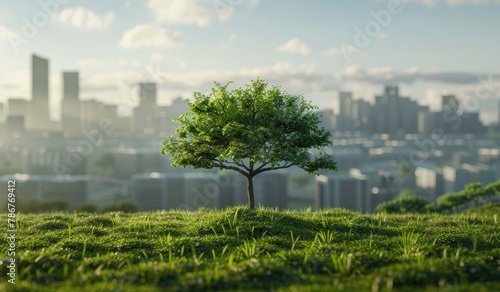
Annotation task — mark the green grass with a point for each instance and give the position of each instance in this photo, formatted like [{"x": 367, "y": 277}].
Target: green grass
[{"x": 263, "y": 249}]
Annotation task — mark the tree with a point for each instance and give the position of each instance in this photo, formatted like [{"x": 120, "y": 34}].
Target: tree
[
  {"x": 405, "y": 202},
  {"x": 249, "y": 130}
]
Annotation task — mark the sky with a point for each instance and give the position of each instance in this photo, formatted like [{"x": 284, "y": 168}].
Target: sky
[{"x": 312, "y": 48}]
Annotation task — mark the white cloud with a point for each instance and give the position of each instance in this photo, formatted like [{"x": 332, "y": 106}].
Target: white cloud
[
  {"x": 196, "y": 12},
  {"x": 232, "y": 37},
  {"x": 424, "y": 2},
  {"x": 156, "y": 58},
  {"x": 82, "y": 18},
  {"x": 294, "y": 46},
  {"x": 253, "y": 3},
  {"x": 471, "y": 2},
  {"x": 6, "y": 34},
  {"x": 431, "y": 3},
  {"x": 383, "y": 35},
  {"x": 94, "y": 62},
  {"x": 149, "y": 35},
  {"x": 382, "y": 75},
  {"x": 127, "y": 62},
  {"x": 346, "y": 51},
  {"x": 181, "y": 12}
]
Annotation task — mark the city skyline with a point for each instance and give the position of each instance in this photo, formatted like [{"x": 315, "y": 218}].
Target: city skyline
[{"x": 239, "y": 40}]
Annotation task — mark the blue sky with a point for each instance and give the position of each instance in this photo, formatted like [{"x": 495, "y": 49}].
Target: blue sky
[{"x": 428, "y": 47}]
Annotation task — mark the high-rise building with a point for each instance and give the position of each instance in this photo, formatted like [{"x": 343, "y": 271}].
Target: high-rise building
[
  {"x": 429, "y": 182},
  {"x": 449, "y": 103},
  {"x": 393, "y": 108},
  {"x": 17, "y": 107},
  {"x": 72, "y": 189},
  {"x": 409, "y": 115},
  {"x": 270, "y": 190},
  {"x": 70, "y": 108},
  {"x": 38, "y": 118},
  {"x": 423, "y": 120},
  {"x": 146, "y": 111},
  {"x": 326, "y": 117},
  {"x": 164, "y": 191},
  {"x": 343, "y": 191},
  {"x": 344, "y": 119},
  {"x": 147, "y": 95},
  {"x": 360, "y": 112},
  {"x": 2, "y": 113}
]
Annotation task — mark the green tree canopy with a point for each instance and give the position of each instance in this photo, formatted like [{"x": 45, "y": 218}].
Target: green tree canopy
[{"x": 249, "y": 130}]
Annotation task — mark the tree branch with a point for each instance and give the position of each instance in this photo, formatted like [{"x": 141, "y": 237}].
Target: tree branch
[
  {"x": 273, "y": 168},
  {"x": 221, "y": 165},
  {"x": 260, "y": 167}
]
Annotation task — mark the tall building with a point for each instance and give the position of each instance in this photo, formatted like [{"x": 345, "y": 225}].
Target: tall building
[
  {"x": 2, "y": 113},
  {"x": 429, "y": 182},
  {"x": 270, "y": 190},
  {"x": 147, "y": 95},
  {"x": 72, "y": 189},
  {"x": 146, "y": 111},
  {"x": 38, "y": 118},
  {"x": 360, "y": 113},
  {"x": 344, "y": 119},
  {"x": 165, "y": 191},
  {"x": 326, "y": 117},
  {"x": 17, "y": 107},
  {"x": 70, "y": 108},
  {"x": 393, "y": 108},
  {"x": 343, "y": 191},
  {"x": 409, "y": 115},
  {"x": 449, "y": 103}
]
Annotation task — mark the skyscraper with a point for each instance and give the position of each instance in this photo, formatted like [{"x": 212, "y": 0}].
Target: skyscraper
[
  {"x": 38, "y": 118},
  {"x": 147, "y": 94},
  {"x": 145, "y": 113},
  {"x": 449, "y": 103},
  {"x": 344, "y": 118},
  {"x": 70, "y": 108},
  {"x": 393, "y": 108}
]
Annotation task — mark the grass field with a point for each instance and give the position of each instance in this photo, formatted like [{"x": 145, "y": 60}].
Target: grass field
[{"x": 263, "y": 249}]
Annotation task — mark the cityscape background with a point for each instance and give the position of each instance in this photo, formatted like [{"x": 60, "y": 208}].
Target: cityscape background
[{"x": 93, "y": 133}]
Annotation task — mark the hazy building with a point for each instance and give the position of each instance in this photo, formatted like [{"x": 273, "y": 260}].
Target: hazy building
[
  {"x": 409, "y": 115},
  {"x": 38, "y": 118},
  {"x": 470, "y": 124},
  {"x": 270, "y": 190},
  {"x": 344, "y": 120},
  {"x": 2, "y": 113},
  {"x": 147, "y": 95},
  {"x": 429, "y": 182},
  {"x": 125, "y": 163},
  {"x": 72, "y": 189},
  {"x": 15, "y": 124},
  {"x": 449, "y": 103},
  {"x": 343, "y": 191},
  {"x": 187, "y": 191},
  {"x": 145, "y": 112},
  {"x": 17, "y": 107},
  {"x": 393, "y": 110},
  {"x": 423, "y": 123},
  {"x": 360, "y": 115},
  {"x": 326, "y": 118},
  {"x": 70, "y": 107},
  {"x": 456, "y": 178},
  {"x": 176, "y": 108}
]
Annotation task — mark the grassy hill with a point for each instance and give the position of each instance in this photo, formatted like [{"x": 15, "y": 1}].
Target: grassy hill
[{"x": 256, "y": 250}]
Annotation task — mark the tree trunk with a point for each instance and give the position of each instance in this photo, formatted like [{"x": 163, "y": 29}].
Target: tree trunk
[{"x": 251, "y": 201}]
